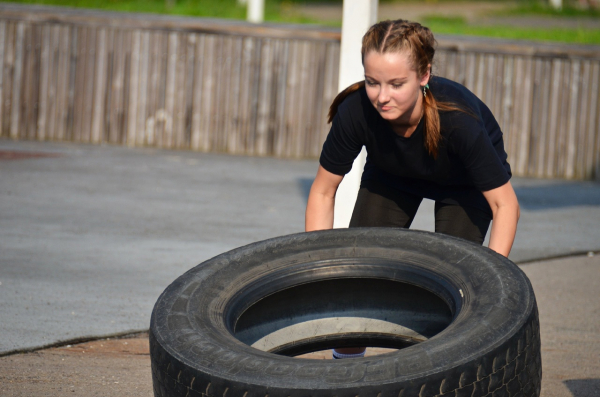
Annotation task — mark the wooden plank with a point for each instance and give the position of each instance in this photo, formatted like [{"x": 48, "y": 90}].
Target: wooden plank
[
  {"x": 154, "y": 62},
  {"x": 516, "y": 107},
  {"x": 234, "y": 144},
  {"x": 2, "y": 66},
  {"x": 29, "y": 101},
  {"x": 218, "y": 141},
  {"x": 8, "y": 79},
  {"x": 73, "y": 53},
  {"x": 208, "y": 87},
  {"x": 553, "y": 117},
  {"x": 197, "y": 93},
  {"x": 117, "y": 82},
  {"x": 479, "y": 78},
  {"x": 525, "y": 118},
  {"x": 592, "y": 153},
  {"x": 53, "y": 75},
  {"x": 88, "y": 94},
  {"x": 471, "y": 65},
  {"x": 168, "y": 140},
  {"x": 316, "y": 99},
  {"x": 59, "y": 88},
  {"x": 562, "y": 132},
  {"x": 304, "y": 99},
  {"x": 109, "y": 70},
  {"x": 142, "y": 136},
  {"x": 507, "y": 104},
  {"x": 79, "y": 88},
  {"x": 331, "y": 79},
  {"x": 571, "y": 132},
  {"x": 496, "y": 105},
  {"x": 17, "y": 81},
  {"x": 161, "y": 115},
  {"x": 99, "y": 93},
  {"x": 134, "y": 75},
  {"x": 245, "y": 69},
  {"x": 189, "y": 84},
  {"x": 282, "y": 93},
  {"x": 292, "y": 115},
  {"x": 537, "y": 135},
  {"x": 180, "y": 93},
  {"x": 583, "y": 121},
  {"x": 46, "y": 63},
  {"x": 265, "y": 90}
]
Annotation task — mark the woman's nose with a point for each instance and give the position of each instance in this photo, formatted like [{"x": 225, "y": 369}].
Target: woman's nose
[{"x": 383, "y": 95}]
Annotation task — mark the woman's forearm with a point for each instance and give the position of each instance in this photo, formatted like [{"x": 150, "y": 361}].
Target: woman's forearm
[
  {"x": 319, "y": 212},
  {"x": 505, "y": 209},
  {"x": 504, "y": 229},
  {"x": 321, "y": 200}
]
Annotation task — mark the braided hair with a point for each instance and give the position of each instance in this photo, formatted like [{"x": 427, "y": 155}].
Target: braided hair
[{"x": 418, "y": 43}]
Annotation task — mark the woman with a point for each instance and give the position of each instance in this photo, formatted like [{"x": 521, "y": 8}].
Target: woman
[{"x": 426, "y": 137}]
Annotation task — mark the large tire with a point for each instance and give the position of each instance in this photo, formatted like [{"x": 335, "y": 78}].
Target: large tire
[{"x": 473, "y": 311}]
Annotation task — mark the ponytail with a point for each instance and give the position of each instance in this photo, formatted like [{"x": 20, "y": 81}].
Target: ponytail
[
  {"x": 340, "y": 98},
  {"x": 431, "y": 127}
]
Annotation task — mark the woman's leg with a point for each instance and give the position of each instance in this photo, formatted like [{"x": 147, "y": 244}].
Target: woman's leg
[
  {"x": 379, "y": 206},
  {"x": 465, "y": 222}
]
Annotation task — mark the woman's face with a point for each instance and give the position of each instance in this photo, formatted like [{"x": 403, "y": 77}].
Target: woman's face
[{"x": 393, "y": 87}]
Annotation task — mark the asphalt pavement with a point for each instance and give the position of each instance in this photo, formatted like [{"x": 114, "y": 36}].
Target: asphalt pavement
[{"x": 91, "y": 235}]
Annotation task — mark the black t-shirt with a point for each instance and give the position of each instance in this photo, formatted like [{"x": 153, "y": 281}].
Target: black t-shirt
[{"x": 471, "y": 156}]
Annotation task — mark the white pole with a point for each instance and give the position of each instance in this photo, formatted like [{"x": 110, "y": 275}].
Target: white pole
[
  {"x": 358, "y": 16},
  {"x": 556, "y": 4},
  {"x": 256, "y": 11}
]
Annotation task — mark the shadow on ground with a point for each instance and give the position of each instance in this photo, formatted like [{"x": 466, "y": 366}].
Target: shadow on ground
[{"x": 583, "y": 387}]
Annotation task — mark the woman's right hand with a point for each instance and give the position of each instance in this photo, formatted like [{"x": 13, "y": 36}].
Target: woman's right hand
[{"x": 321, "y": 200}]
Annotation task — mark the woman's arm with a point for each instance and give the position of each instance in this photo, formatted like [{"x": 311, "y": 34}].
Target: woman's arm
[
  {"x": 505, "y": 209},
  {"x": 321, "y": 199}
]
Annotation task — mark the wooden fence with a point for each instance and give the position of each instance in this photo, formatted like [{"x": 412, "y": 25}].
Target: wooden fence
[{"x": 228, "y": 86}]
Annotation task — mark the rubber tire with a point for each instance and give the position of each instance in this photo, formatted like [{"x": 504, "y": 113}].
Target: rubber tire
[{"x": 490, "y": 348}]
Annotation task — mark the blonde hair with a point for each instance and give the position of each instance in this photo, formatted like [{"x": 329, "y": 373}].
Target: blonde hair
[{"x": 418, "y": 43}]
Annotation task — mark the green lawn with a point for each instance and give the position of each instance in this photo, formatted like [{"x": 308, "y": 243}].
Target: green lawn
[
  {"x": 287, "y": 11},
  {"x": 458, "y": 26}
]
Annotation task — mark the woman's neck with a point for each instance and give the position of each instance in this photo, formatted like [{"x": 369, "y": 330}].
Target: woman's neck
[{"x": 406, "y": 129}]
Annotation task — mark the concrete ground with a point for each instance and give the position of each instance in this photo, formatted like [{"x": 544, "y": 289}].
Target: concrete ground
[{"x": 91, "y": 235}]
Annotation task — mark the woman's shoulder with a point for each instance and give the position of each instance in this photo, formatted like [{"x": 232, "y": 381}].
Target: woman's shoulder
[
  {"x": 355, "y": 101},
  {"x": 355, "y": 110},
  {"x": 448, "y": 90}
]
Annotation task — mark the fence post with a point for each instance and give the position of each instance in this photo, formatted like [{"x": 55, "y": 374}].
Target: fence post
[{"x": 256, "y": 11}]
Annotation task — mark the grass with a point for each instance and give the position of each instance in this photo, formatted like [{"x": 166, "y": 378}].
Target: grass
[
  {"x": 286, "y": 11},
  {"x": 458, "y": 26},
  {"x": 275, "y": 10}
]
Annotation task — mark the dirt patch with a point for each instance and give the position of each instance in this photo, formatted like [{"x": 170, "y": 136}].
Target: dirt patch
[
  {"x": 18, "y": 155},
  {"x": 108, "y": 367},
  {"x": 111, "y": 367}
]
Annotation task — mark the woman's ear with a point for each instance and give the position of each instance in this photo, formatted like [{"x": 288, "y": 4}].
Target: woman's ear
[{"x": 425, "y": 78}]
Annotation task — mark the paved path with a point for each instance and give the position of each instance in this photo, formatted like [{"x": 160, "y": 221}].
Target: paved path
[
  {"x": 91, "y": 235},
  {"x": 474, "y": 13}
]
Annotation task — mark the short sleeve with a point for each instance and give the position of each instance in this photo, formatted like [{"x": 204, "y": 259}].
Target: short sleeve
[
  {"x": 484, "y": 160},
  {"x": 346, "y": 137}
]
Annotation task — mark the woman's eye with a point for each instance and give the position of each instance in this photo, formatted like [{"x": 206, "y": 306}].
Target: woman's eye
[
  {"x": 396, "y": 86},
  {"x": 371, "y": 83}
]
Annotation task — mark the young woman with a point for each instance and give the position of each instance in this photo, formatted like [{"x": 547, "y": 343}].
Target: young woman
[{"x": 426, "y": 137}]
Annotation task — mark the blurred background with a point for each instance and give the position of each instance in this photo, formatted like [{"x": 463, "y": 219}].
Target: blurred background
[{"x": 570, "y": 21}]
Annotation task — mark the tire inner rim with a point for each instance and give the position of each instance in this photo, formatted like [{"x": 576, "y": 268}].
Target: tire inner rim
[{"x": 341, "y": 312}]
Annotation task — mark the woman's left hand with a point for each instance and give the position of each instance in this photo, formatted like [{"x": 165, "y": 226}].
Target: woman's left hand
[{"x": 506, "y": 212}]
